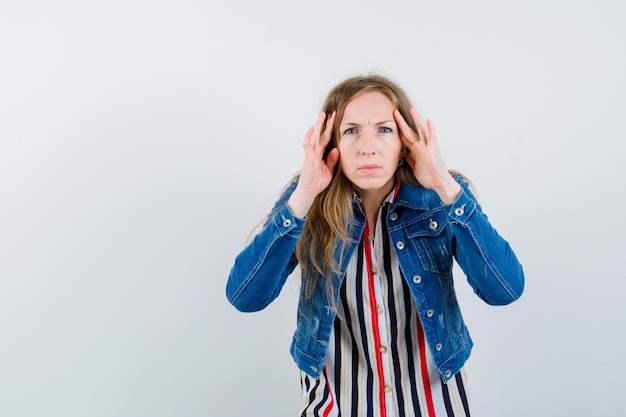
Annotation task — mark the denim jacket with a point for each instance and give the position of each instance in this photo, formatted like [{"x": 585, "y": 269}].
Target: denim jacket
[{"x": 426, "y": 236}]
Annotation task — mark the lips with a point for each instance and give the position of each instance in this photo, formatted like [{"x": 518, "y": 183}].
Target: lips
[{"x": 370, "y": 169}]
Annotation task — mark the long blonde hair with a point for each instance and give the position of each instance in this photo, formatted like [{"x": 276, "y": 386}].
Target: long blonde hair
[{"x": 329, "y": 218}]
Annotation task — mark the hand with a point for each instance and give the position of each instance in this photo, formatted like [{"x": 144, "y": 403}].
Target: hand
[
  {"x": 316, "y": 173},
  {"x": 422, "y": 155}
]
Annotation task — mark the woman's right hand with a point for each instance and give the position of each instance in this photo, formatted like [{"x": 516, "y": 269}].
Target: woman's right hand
[{"x": 316, "y": 173}]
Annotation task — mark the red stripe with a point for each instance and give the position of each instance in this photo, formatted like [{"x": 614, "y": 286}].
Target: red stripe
[
  {"x": 424, "y": 368},
  {"x": 372, "y": 295},
  {"x": 395, "y": 192},
  {"x": 331, "y": 404}
]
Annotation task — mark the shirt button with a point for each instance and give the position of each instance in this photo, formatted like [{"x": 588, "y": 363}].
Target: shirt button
[
  {"x": 433, "y": 225},
  {"x": 430, "y": 313},
  {"x": 379, "y": 310},
  {"x": 383, "y": 349},
  {"x": 374, "y": 269},
  {"x": 438, "y": 347},
  {"x": 387, "y": 388},
  {"x": 400, "y": 245},
  {"x": 417, "y": 279},
  {"x": 393, "y": 217},
  {"x": 459, "y": 211}
]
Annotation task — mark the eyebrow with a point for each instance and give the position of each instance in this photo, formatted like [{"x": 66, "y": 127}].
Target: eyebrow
[{"x": 359, "y": 124}]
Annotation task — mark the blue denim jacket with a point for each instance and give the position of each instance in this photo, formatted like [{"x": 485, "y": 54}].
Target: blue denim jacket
[{"x": 426, "y": 235}]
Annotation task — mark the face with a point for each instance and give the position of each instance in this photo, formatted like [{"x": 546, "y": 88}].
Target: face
[{"x": 369, "y": 143}]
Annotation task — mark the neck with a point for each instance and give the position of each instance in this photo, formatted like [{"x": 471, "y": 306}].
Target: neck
[{"x": 372, "y": 200}]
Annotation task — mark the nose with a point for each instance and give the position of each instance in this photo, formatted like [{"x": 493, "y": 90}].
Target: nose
[{"x": 368, "y": 143}]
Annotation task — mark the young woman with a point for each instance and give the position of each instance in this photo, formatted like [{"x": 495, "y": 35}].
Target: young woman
[{"x": 374, "y": 220}]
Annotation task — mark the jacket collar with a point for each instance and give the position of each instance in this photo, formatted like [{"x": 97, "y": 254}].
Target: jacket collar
[{"x": 415, "y": 197}]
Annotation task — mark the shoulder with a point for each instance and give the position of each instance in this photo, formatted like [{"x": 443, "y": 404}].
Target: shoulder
[{"x": 417, "y": 197}]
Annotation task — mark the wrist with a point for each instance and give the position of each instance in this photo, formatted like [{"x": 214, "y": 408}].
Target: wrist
[
  {"x": 299, "y": 204},
  {"x": 449, "y": 193}
]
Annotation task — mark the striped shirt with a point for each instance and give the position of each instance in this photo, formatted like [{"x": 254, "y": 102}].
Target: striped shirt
[{"x": 378, "y": 362}]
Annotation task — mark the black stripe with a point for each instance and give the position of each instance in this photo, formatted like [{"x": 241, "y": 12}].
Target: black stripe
[
  {"x": 338, "y": 364},
  {"x": 393, "y": 315},
  {"x": 462, "y": 393},
  {"x": 409, "y": 345},
  {"x": 305, "y": 380},
  {"x": 369, "y": 385},
  {"x": 316, "y": 410},
  {"x": 446, "y": 399},
  {"x": 354, "y": 365},
  {"x": 311, "y": 397}
]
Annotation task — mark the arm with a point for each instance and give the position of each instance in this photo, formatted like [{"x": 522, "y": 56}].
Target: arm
[
  {"x": 261, "y": 269},
  {"x": 491, "y": 267},
  {"x": 489, "y": 263}
]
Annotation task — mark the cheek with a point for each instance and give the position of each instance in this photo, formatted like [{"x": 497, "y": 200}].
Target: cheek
[{"x": 396, "y": 147}]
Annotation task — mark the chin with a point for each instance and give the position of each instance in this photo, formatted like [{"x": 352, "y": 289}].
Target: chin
[{"x": 373, "y": 184}]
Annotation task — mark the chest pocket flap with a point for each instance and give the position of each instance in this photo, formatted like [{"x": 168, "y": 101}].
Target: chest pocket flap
[{"x": 430, "y": 236}]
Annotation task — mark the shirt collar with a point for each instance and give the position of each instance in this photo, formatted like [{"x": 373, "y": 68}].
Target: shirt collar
[{"x": 391, "y": 198}]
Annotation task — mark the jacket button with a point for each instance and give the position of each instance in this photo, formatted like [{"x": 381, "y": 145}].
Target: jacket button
[
  {"x": 433, "y": 225},
  {"x": 459, "y": 211},
  {"x": 438, "y": 347},
  {"x": 448, "y": 373},
  {"x": 430, "y": 313},
  {"x": 286, "y": 222},
  {"x": 393, "y": 217},
  {"x": 400, "y": 245},
  {"x": 417, "y": 279}
]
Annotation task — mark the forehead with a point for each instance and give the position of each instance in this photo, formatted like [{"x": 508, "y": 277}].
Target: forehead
[{"x": 370, "y": 104}]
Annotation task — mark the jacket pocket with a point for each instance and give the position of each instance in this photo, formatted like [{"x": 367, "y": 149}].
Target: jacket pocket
[{"x": 431, "y": 238}]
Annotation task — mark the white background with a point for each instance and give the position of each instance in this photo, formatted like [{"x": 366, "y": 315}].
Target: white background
[{"x": 141, "y": 141}]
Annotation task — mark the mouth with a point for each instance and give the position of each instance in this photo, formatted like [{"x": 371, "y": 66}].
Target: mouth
[{"x": 370, "y": 169}]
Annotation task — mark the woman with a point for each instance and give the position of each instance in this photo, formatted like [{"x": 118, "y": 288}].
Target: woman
[{"x": 374, "y": 220}]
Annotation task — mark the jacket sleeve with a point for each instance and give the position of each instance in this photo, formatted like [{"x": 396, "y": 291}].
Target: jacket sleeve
[
  {"x": 489, "y": 263},
  {"x": 261, "y": 269}
]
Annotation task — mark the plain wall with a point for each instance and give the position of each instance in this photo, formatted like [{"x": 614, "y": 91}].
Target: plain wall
[{"x": 140, "y": 143}]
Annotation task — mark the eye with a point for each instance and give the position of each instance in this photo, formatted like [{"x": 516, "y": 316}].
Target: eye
[
  {"x": 350, "y": 131},
  {"x": 385, "y": 129}
]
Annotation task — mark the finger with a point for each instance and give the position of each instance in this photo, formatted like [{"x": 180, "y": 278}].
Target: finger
[
  {"x": 328, "y": 130},
  {"x": 432, "y": 135},
  {"x": 317, "y": 129},
  {"x": 307, "y": 137},
  {"x": 421, "y": 129},
  {"x": 408, "y": 135}
]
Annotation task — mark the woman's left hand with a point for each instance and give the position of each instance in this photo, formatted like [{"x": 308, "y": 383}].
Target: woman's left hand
[{"x": 423, "y": 157}]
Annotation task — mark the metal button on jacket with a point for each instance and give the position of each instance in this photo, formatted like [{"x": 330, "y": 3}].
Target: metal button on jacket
[
  {"x": 459, "y": 211},
  {"x": 393, "y": 217},
  {"x": 400, "y": 245},
  {"x": 286, "y": 222},
  {"x": 417, "y": 279},
  {"x": 430, "y": 313},
  {"x": 433, "y": 225}
]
